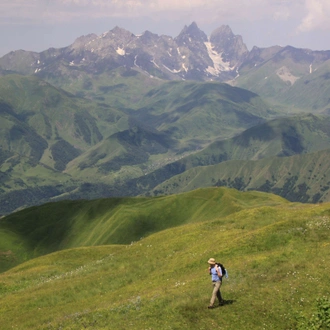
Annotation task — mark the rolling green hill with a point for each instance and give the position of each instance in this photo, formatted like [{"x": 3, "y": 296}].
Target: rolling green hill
[
  {"x": 42, "y": 129},
  {"x": 58, "y": 146},
  {"x": 54, "y": 226},
  {"x": 276, "y": 254},
  {"x": 202, "y": 111}
]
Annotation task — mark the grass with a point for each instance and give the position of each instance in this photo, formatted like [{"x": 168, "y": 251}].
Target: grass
[
  {"x": 67, "y": 224},
  {"x": 276, "y": 255}
]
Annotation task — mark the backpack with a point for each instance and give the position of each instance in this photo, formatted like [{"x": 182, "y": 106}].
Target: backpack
[{"x": 223, "y": 269}]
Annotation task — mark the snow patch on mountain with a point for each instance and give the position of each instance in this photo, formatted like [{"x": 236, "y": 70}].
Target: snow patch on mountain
[
  {"x": 155, "y": 64},
  {"x": 173, "y": 71},
  {"x": 219, "y": 65},
  {"x": 184, "y": 67},
  {"x": 120, "y": 51}
]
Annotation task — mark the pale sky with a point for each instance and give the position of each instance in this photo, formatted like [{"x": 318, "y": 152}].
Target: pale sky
[{"x": 37, "y": 25}]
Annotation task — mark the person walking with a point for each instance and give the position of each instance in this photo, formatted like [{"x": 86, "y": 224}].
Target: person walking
[{"x": 216, "y": 276}]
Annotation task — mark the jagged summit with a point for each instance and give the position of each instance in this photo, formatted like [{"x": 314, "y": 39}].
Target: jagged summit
[
  {"x": 224, "y": 30},
  {"x": 231, "y": 46},
  {"x": 148, "y": 36},
  {"x": 191, "y": 55},
  {"x": 191, "y": 32}
]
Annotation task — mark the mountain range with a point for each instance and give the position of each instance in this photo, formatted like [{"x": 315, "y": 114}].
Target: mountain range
[
  {"x": 120, "y": 114},
  {"x": 192, "y": 55}
]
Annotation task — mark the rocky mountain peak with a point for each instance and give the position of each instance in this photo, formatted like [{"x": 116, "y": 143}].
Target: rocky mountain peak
[
  {"x": 231, "y": 46},
  {"x": 120, "y": 34},
  {"x": 223, "y": 31},
  {"x": 191, "y": 32},
  {"x": 148, "y": 36}
]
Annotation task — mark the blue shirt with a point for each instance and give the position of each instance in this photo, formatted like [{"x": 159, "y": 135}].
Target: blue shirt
[{"x": 214, "y": 273}]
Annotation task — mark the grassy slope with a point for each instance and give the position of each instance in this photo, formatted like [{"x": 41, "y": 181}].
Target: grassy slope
[
  {"x": 312, "y": 91},
  {"x": 42, "y": 106},
  {"x": 276, "y": 257},
  {"x": 308, "y": 171},
  {"x": 278, "y": 137},
  {"x": 201, "y": 111},
  {"x": 68, "y": 224}
]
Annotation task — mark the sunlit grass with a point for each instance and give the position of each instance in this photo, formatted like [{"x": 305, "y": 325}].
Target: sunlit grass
[{"x": 276, "y": 256}]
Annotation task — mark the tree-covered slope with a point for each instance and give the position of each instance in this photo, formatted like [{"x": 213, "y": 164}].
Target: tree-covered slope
[{"x": 303, "y": 178}]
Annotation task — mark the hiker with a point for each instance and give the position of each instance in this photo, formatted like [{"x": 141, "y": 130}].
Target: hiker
[{"x": 216, "y": 273}]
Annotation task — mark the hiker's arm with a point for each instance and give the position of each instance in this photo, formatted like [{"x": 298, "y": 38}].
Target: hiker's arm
[{"x": 219, "y": 272}]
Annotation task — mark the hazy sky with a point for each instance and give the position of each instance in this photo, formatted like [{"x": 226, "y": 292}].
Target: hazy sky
[{"x": 40, "y": 24}]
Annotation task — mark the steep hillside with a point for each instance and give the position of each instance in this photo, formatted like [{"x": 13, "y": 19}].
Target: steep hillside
[
  {"x": 312, "y": 91},
  {"x": 161, "y": 281},
  {"x": 288, "y": 76},
  {"x": 49, "y": 125},
  {"x": 303, "y": 178}
]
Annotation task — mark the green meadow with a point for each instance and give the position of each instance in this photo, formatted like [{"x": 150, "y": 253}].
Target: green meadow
[{"x": 141, "y": 263}]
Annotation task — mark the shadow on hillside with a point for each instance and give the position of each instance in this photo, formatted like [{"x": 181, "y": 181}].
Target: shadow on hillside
[{"x": 226, "y": 302}]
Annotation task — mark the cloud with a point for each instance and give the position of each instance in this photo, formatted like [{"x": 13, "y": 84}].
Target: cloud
[
  {"x": 317, "y": 17},
  {"x": 307, "y": 14},
  {"x": 202, "y": 9}
]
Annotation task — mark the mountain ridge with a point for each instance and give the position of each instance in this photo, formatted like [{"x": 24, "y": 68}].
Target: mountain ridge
[{"x": 189, "y": 51}]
